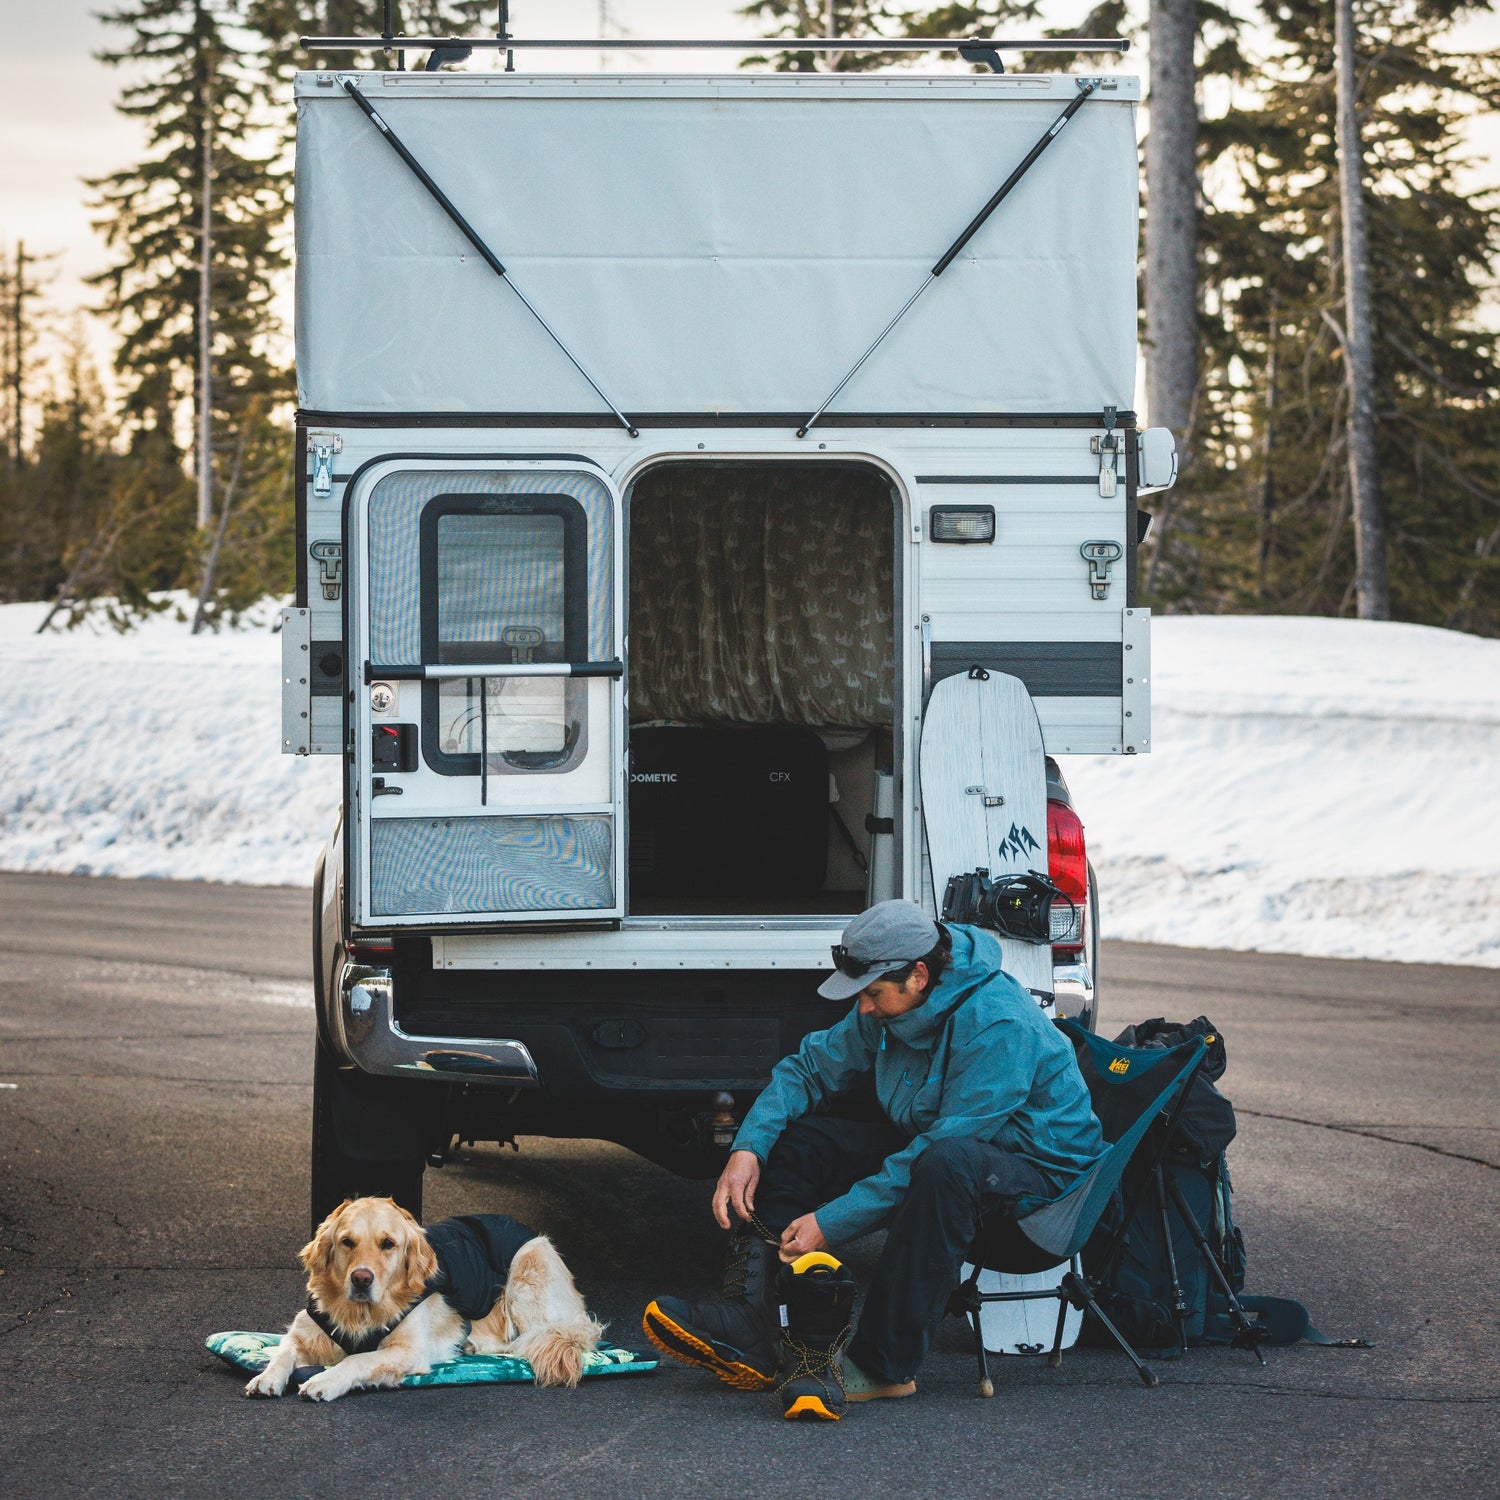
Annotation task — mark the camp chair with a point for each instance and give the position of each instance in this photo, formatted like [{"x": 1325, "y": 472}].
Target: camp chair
[{"x": 1131, "y": 1089}]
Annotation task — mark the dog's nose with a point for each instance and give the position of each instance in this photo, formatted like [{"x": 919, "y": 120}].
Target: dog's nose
[{"x": 362, "y": 1280}]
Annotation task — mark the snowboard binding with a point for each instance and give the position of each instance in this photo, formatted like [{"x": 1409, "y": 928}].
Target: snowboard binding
[{"x": 1016, "y": 906}]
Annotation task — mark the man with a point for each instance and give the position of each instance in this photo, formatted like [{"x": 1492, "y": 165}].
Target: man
[{"x": 980, "y": 1102}]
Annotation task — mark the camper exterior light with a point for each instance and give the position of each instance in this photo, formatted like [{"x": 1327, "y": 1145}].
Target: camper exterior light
[{"x": 962, "y": 523}]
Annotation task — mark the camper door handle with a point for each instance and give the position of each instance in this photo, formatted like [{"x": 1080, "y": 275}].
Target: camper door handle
[{"x": 435, "y": 671}]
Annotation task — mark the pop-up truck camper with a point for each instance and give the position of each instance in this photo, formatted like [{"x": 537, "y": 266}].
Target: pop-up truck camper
[{"x": 626, "y": 632}]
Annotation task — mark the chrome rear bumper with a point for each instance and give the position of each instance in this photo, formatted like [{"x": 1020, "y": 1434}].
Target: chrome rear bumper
[
  {"x": 365, "y": 1032},
  {"x": 1073, "y": 987}
]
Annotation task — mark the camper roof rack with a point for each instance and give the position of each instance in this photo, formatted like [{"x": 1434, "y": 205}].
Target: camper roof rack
[{"x": 446, "y": 49}]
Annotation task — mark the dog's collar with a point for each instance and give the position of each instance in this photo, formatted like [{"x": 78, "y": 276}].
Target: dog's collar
[{"x": 361, "y": 1343}]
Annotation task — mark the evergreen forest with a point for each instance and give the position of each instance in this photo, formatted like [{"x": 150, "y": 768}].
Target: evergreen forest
[{"x": 1320, "y": 325}]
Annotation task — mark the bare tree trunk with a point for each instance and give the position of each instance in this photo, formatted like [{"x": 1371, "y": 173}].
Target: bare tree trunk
[
  {"x": 1267, "y": 457},
  {"x": 205, "y": 327},
  {"x": 211, "y": 563},
  {"x": 1172, "y": 222},
  {"x": 1371, "y": 583},
  {"x": 18, "y": 354},
  {"x": 90, "y": 563}
]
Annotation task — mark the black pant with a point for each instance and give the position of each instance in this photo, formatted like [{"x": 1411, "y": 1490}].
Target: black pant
[{"x": 953, "y": 1184}]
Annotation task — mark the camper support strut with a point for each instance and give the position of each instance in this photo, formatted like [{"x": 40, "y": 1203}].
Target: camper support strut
[
  {"x": 1085, "y": 88},
  {"x": 486, "y": 254}
]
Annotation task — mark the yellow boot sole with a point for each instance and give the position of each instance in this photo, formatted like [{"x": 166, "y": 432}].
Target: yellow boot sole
[{"x": 672, "y": 1338}]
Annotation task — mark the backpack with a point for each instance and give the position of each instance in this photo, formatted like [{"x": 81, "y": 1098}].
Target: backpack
[{"x": 1172, "y": 1276}]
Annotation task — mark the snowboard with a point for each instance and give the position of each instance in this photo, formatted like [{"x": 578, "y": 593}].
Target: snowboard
[
  {"x": 984, "y": 795},
  {"x": 984, "y": 799}
]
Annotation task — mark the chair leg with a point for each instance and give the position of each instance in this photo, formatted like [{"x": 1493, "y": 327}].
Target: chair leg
[
  {"x": 986, "y": 1385},
  {"x": 967, "y": 1302},
  {"x": 1249, "y": 1335},
  {"x": 1078, "y": 1289},
  {"x": 1179, "y": 1301},
  {"x": 1054, "y": 1360}
]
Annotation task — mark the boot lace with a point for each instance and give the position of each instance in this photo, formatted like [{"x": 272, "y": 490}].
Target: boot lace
[
  {"x": 758, "y": 1227},
  {"x": 737, "y": 1267},
  {"x": 819, "y": 1362}
]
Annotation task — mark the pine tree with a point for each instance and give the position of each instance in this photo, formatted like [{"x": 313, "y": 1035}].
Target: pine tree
[
  {"x": 98, "y": 523},
  {"x": 195, "y": 79},
  {"x": 197, "y": 82},
  {"x": 1267, "y": 519}
]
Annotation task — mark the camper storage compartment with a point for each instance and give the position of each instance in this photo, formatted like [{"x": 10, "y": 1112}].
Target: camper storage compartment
[{"x": 727, "y": 811}]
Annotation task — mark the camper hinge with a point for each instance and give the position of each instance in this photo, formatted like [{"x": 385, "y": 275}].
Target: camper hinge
[
  {"x": 1109, "y": 448},
  {"x": 329, "y": 557},
  {"x": 322, "y": 446},
  {"x": 1100, "y": 556}
]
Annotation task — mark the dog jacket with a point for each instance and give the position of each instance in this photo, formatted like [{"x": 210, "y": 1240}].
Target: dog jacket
[{"x": 474, "y": 1252}]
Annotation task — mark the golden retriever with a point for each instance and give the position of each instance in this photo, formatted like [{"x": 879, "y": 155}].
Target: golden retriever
[{"x": 368, "y": 1267}]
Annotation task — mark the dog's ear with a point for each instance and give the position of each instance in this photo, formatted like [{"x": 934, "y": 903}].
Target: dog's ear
[
  {"x": 317, "y": 1253},
  {"x": 419, "y": 1263}
]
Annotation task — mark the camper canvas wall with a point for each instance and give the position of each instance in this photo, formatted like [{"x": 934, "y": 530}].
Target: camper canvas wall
[{"x": 714, "y": 245}]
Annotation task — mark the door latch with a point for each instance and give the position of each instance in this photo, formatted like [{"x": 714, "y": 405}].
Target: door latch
[
  {"x": 1109, "y": 449},
  {"x": 329, "y": 557},
  {"x": 524, "y": 641},
  {"x": 322, "y": 446},
  {"x": 1100, "y": 556}
]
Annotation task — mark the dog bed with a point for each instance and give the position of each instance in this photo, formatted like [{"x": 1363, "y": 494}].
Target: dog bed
[{"x": 251, "y": 1352}]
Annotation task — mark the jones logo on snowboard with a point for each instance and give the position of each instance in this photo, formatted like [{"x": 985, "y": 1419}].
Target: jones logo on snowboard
[{"x": 1017, "y": 844}]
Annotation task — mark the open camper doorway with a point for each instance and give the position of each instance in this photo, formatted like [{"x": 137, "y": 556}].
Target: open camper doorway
[{"x": 763, "y": 688}]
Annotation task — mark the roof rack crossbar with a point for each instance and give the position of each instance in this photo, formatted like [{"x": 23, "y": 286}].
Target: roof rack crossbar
[{"x": 390, "y": 43}]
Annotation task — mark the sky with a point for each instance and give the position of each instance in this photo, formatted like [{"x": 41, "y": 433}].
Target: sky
[{"x": 58, "y": 124}]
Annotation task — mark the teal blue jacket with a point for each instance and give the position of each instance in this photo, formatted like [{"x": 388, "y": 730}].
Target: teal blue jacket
[{"x": 977, "y": 1060}]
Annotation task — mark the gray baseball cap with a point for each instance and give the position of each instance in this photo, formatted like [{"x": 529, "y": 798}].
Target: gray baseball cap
[{"x": 889, "y": 934}]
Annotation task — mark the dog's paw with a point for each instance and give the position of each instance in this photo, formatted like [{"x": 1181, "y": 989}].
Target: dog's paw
[
  {"x": 327, "y": 1386},
  {"x": 266, "y": 1384}
]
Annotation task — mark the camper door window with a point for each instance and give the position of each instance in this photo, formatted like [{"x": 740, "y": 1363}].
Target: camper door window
[{"x": 504, "y": 580}]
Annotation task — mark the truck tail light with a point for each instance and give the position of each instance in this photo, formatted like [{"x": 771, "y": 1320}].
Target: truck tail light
[{"x": 1068, "y": 865}]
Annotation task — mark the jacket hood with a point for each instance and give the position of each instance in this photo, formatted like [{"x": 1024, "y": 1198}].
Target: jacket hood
[{"x": 976, "y": 956}]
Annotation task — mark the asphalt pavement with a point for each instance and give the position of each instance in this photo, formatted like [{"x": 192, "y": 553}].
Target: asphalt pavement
[{"x": 155, "y": 1090}]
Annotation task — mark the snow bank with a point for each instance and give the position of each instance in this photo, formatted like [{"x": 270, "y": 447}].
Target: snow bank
[
  {"x": 1316, "y": 786},
  {"x": 154, "y": 754}
]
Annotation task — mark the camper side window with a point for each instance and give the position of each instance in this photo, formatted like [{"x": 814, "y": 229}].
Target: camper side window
[{"x": 504, "y": 581}]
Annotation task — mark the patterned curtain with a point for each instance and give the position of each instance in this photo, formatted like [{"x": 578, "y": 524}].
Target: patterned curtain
[{"x": 762, "y": 594}]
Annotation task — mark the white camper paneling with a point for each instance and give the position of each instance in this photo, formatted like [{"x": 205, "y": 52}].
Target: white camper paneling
[{"x": 1023, "y": 603}]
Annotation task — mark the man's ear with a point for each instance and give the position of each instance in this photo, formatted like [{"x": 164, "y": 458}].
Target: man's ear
[{"x": 920, "y": 977}]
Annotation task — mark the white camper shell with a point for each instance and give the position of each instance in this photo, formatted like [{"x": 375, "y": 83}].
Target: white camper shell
[{"x": 548, "y": 520}]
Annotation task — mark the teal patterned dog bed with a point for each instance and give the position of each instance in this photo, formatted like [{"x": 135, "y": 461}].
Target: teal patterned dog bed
[{"x": 251, "y": 1352}]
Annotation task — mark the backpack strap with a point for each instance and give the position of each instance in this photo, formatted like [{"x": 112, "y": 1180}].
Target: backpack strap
[{"x": 1287, "y": 1322}]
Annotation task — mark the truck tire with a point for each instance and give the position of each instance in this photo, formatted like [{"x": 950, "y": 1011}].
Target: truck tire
[{"x": 336, "y": 1175}]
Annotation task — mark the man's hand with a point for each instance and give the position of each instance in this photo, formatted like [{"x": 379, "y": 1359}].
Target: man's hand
[
  {"x": 736, "y": 1189},
  {"x": 800, "y": 1237}
]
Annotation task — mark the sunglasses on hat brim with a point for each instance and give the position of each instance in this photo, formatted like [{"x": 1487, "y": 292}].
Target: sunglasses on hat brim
[{"x": 856, "y": 968}]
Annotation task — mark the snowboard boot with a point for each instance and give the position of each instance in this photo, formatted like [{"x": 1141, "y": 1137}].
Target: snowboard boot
[
  {"x": 733, "y": 1335},
  {"x": 819, "y": 1305}
]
